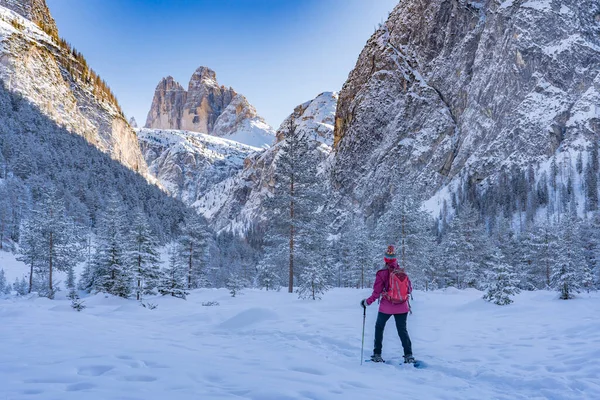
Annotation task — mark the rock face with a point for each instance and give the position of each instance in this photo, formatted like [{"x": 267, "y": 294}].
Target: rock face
[
  {"x": 237, "y": 203},
  {"x": 188, "y": 164},
  {"x": 45, "y": 71},
  {"x": 167, "y": 105},
  {"x": 35, "y": 11},
  {"x": 133, "y": 122},
  {"x": 207, "y": 108},
  {"x": 446, "y": 86}
]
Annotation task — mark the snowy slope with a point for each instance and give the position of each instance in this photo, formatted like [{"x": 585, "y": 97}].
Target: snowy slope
[
  {"x": 271, "y": 346},
  {"x": 240, "y": 122},
  {"x": 187, "y": 164}
]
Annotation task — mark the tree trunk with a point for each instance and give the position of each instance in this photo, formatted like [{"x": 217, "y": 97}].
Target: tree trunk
[
  {"x": 50, "y": 265},
  {"x": 190, "y": 266},
  {"x": 403, "y": 244},
  {"x": 31, "y": 277},
  {"x": 291, "y": 277},
  {"x": 139, "y": 282}
]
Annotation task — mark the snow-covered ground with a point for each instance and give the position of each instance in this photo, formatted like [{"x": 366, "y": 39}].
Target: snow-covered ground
[{"x": 270, "y": 345}]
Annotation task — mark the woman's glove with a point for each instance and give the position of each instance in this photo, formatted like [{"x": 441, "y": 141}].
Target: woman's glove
[{"x": 363, "y": 303}]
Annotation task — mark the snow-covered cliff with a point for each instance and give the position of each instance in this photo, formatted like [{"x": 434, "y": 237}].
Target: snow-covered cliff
[
  {"x": 445, "y": 87},
  {"x": 52, "y": 75}
]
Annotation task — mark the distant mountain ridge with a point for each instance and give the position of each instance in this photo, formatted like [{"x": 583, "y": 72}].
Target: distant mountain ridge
[
  {"x": 188, "y": 164},
  {"x": 209, "y": 108}
]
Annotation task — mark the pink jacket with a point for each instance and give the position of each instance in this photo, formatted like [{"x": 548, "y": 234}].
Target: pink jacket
[{"x": 380, "y": 286}]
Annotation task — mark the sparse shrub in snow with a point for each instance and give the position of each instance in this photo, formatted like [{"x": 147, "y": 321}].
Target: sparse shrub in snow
[
  {"x": 210, "y": 303},
  {"x": 234, "y": 284},
  {"x": 150, "y": 306},
  {"x": 20, "y": 286},
  {"x": 76, "y": 302}
]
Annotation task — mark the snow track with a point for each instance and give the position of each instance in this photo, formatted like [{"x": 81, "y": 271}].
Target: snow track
[{"x": 270, "y": 345}]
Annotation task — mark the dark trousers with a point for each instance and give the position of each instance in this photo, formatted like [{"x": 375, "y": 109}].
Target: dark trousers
[{"x": 400, "y": 326}]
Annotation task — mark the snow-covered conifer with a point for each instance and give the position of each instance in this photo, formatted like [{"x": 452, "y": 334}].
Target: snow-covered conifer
[
  {"x": 143, "y": 256},
  {"x": 21, "y": 286},
  {"x": 174, "y": 278},
  {"x": 567, "y": 268},
  {"x": 502, "y": 282},
  {"x": 112, "y": 274},
  {"x": 234, "y": 284},
  {"x": 192, "y": 246},
  {"x": 4, "y": 286}
]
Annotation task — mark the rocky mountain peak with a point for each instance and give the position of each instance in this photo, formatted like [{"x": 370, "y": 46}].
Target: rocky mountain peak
[
  {"x": 206, "y": 107},
  {"x": 204, "y": 76},
  {"x": 34, "y": 10}
]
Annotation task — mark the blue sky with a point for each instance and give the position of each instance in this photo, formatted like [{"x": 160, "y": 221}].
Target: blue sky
[{"x": 278, "y": 53}]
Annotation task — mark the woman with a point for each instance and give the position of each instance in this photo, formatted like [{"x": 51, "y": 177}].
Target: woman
[{"x": 394, "y": 287}]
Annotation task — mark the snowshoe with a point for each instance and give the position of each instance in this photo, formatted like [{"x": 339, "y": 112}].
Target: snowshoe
[
  {"x": 409, "y": 359},
  {"x": 377, "y": 358}
]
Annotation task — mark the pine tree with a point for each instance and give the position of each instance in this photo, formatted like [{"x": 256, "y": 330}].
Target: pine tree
[
  {"x": 76, "y": 302},
  {"x": 502, "y": 282},
  {"x": 267, "y": 276},
  {"x": 51, "y": 241},
  {"x": 143, "y": 258},
  {"x": 192, "y": 251},
  {"x": 30, "y": 248},
  {"x": 234, "y": 284},
  {"x": 21, "y": 286},
  {"x": 567, "y": 268},
  {"x": 548, "y": 252},
  {"x": 464, "y": 247},
  {"x": 296, "y": 196},
  {"x": 531, "y": 259},
  {"x": 4, "y": 286},
  {"x": 361, "y": 247},
  {"x": 112, "y": 274},
  {"x": 590, "y": 237},
  {"x": 86, "y": 281},
  {"x": 317, "y": 267},
  {"x": 591, "y": 180},
  {"x": 408, "y": 225},
  {"x": 174, "y": 278}
]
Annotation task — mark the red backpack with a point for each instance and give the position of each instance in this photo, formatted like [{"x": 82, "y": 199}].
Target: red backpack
[{"x": 398, "y": 289}]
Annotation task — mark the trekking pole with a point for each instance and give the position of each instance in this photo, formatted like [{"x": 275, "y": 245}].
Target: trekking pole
[{"x": 362, "y": 347}]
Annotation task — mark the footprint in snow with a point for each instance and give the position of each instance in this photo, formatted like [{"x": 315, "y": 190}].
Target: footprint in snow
[
  {"x": 76, "y": 387},
  {"x": 94, "y": 370},
  {"x": 307, "y": 370},
  {"x": 138, "y": 378}
]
